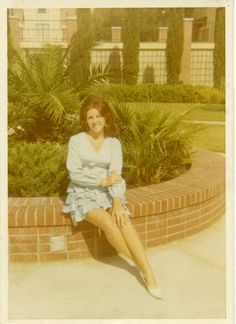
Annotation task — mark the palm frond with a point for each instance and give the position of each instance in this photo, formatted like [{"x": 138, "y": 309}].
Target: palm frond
[{"x": 156, "y": 144}]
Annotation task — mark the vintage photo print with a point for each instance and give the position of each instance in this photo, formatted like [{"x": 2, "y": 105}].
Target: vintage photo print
[{"x": 116, "y": 161}]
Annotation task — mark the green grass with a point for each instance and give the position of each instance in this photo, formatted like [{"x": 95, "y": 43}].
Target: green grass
[
  {"x": 206, "y": 112},
  {"x": 212, "y": 138}
]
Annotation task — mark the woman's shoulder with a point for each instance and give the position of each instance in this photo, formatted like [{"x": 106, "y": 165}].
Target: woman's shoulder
[
  {"x": 114, "y": 141},
  {"x": 77, "y": 137}
]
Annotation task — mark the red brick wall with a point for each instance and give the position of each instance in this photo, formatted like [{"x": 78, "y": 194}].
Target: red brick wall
[{"x": 162, "y": 213}]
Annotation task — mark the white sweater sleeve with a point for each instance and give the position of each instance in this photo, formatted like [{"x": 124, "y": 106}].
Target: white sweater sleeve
[
  {"x": 79, "y": 175},
  {"x": 117, "y": 190}
]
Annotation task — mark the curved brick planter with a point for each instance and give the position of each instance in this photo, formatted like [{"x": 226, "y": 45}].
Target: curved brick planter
[{"x": 162, "y": 213}]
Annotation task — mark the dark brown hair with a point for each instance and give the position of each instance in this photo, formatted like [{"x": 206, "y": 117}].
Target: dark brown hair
[{"x": 104, "y": 109}]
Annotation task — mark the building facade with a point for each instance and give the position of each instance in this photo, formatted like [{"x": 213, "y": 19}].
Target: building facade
[{"x": 32, "y": 28}]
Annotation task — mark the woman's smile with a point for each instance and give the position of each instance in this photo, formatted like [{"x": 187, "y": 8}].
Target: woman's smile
[{"x": 95, "y": 121}]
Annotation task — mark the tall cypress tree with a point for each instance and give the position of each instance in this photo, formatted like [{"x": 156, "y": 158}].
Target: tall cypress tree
[
  {"x": 114, "y": 66},
  {"x": 80, "y": 50},
  {"x": 148, "y": 74},
  {"x": 219, "y": 52},
  {"x": 130, "y": 37},
  {"x": 174, "y": 46}
]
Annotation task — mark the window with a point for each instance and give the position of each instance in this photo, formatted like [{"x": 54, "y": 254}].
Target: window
[
  {"x": 42, "y": 31},
  {"x": 42, "y": 11}
]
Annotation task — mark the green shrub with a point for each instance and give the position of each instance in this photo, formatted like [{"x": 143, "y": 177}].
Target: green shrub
[
  {"x": 159, "y": 93},
  {"x": 156, "y": 144},
  {"x": 156, "y": 147},
  {"x": 210, "y": 95},
  {"x": 36, "y": 169}
]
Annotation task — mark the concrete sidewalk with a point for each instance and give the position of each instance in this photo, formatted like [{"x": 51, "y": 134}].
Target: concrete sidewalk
[{"x": 191, "y": 273}]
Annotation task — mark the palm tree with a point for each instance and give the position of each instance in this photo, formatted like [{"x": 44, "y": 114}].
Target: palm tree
[
  {"x": 156, "y": 144},
  {"x": 42, "y": 96},
  {"x": 38, "y": 87}
]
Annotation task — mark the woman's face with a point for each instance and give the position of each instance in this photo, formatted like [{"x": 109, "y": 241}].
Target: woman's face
[{"x": 95, "y": 121}]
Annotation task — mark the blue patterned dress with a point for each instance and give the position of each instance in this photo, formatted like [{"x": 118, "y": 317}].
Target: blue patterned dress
[{"x": 87, "y": 168}]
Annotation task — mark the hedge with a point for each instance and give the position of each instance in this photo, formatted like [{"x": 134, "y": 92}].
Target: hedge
[{"x": 159, "y": 93}]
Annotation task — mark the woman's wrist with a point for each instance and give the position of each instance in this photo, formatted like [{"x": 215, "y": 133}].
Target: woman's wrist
[
  {"x": 103, "y": 183},
  {"x": 116, "y": 201}
]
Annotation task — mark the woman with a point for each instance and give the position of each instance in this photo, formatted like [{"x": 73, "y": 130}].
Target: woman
[{"x": 96, "y": 191}]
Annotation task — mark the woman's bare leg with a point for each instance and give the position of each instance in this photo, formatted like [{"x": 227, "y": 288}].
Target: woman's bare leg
[
  {"x": 124, "y": 239},
  {"x": 136, "y": 248},
  {"x": 103, "y": 220}
]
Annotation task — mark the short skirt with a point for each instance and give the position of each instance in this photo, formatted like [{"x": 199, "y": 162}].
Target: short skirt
[{"x": 81, "y": 200}]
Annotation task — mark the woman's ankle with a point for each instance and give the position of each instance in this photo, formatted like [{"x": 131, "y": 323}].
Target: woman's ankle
[
  {"x": 129, "y": 260},
  {"x": 150, "y": 280}
]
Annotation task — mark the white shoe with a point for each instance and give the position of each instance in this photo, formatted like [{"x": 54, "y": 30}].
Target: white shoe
[{"x": 154, "y": 292}]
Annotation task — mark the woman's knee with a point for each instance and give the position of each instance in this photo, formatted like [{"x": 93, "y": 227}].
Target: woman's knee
[
  {"x": 101, "y": 219},
  {"x": 128, "y": 226},
  {"x": 109, "y": 225}
]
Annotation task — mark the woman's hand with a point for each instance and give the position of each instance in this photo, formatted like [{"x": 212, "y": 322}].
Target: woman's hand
[
  {"x": 112, "y": 178},
  {"x": 118, "y": 213}
]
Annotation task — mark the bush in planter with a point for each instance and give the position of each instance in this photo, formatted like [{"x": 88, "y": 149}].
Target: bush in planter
[
  {"x": 36, "y": 169},
  {"x": 156, "y": 145},
  {"x": 44, "y": 94},
  {"x": 41, "y": 98}
]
